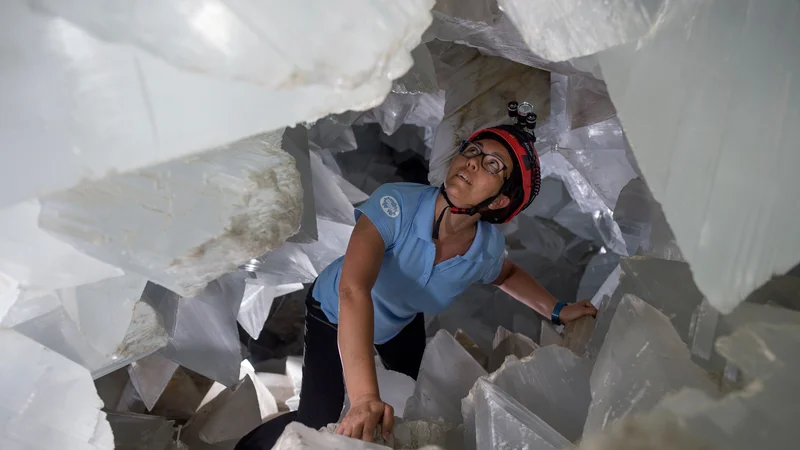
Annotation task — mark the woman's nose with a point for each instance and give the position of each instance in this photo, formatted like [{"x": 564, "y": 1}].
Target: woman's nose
[{"x": 474, "y": 163}]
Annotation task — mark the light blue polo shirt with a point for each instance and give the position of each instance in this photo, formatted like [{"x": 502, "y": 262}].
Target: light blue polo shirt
[{"x": 409, "y": 282}]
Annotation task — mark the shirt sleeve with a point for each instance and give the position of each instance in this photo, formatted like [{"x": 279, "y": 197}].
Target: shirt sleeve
[
  {"x": 494, "y": 270},
  {"x": 384, "y": 209},
  {"x": 496, "y": 247}
]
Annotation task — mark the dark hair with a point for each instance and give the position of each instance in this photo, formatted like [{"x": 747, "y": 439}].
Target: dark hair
[{"x": 512, "y": 187}]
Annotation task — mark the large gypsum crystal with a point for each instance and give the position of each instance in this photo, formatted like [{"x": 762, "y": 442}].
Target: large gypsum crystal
[
  {"x": 301, "y": 262},
  {"x": 588, "y": 216},
  {"x": 246, "y": 40},
  {"x": 767, "y": 353},
  {"x": 551, "y": 27},
  {"x": 184, "y": 223},
  {"x": 150, "y": 376},
  {"x": 553, "y": 384},
  {"x": 257, "y": 301},
  {"x": 478, "y": 24},
  {"x": 102, "y": 326},
  {"x": 421, "y": 77},
  {"x": 600, "y": 153},
  {"x": 642, "y": 223},
  {"x": 597, "y": 271},
  {"x": 226, "y": 414},
  {"x": 203, "y": 335},
  {"x": 296, "y": 143},
  {"x": 502, "y": 422},
  {"x": 507, "y": 344},
  {"x": 9, "y": 293},
  {"x": 681, "y": 94},
  {"x": 235, "y": 412},
  {"x": 100, "y": 312},
  {"x": 642, "y": 359},
  {"x": 38, "y": 261},
  {"x": 759, "y": 415},
  {"x": 587, "y": 101},
  {"x": 48, "y": 401},
  {"x": 446, "y": 375},
  {"x": 664, "y": 285},
  {"x": 766, "y": 304},
  {"x": 127, "y": 88}
]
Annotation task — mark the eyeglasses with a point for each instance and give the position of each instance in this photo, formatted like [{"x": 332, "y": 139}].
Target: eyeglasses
[{"x": 490, "y": 163}]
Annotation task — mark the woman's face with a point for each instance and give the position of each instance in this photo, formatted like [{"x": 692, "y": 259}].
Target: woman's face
[{"x": 468, "y": 183}]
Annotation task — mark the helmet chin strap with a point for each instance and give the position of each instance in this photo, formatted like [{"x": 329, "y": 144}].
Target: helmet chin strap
[{"x": 456, "y": 210}]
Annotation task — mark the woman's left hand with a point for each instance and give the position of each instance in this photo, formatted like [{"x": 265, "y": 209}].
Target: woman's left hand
[{"x": 577, "y": 310}]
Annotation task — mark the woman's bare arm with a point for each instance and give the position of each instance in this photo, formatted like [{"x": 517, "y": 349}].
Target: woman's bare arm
[
  {"x": 514, "y": 281},
  {"x": 362, "y": 262}
]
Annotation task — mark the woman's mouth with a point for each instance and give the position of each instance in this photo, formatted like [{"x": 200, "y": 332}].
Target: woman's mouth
[{"x": 463, "y": 177}]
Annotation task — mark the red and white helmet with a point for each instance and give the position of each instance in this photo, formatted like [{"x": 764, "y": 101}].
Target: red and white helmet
[{"x": 519, "y": 141}]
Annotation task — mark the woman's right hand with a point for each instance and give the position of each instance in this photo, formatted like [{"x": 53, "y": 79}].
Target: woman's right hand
[{"x": 364, "y": 416}]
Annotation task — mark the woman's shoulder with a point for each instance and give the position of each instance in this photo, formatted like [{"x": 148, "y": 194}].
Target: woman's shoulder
[
  {"x": 494, "y": 241},
  {"x": 405, "y": 188},
  {"x": 408, "y": 194}
]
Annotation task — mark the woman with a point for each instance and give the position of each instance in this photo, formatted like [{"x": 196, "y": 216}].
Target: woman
[{"x": 413, "y": 250}]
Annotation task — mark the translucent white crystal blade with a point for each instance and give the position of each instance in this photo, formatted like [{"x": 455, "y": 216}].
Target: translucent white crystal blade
[
  {"x": 233, "y": 414},
  {"x": 203, "y": 335},
  {"x": 150, "y": 376},
  {"x": 267, "y": 404},
  {"x": 287, "y": 264},
  {"x": 549, "y": 336},
  {"x": 395, "y": 388},
  {"x": 642, "y": 359},
  {"x": 263, "y": 42},
  {"x": 507, "y": 343},
  {"x": 107, "y": 336},
  {"x": 472, "y": 348},
  {"x": 37, "y": 260},
  {"x": 176, "y": 83},
  {"x": 551, "y": 27},
  {"x": 332, "y": 243},
  {"x": 279, "y": 385},
  {"x": 48, "y": 401},
  {"x": 9, "y": 293},
  {"x": 331, "y": 201},
  {"x": 597, "y": 272},
  {"x": 295, "y": 142},
  {"x": 445, "y": 377},
  {"x": 186, "y": 222},
  {"x": 684, "y": 127},
  {"x": 645, "y": 278},
  {"x": 477, "y": 24},
  {"x": 767, "y": 353},
  {"x": 502, "y": 422},
  {"x": 552, "y": 383},
  {"x": 144, "y": 335},
  {"x": 587, "y": 215},
  {"x": 294, "y": 370},
  {"x": 103, "y": 310},
  {"x": 254, "y": 310},
  {"x": 643, "y": 224}
]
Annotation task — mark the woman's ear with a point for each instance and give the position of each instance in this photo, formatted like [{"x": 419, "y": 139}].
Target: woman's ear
[{"x": 500, "y": 202}]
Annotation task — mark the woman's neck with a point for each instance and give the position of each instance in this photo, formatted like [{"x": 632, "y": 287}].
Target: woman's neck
[{"x": 453, "y": 225}]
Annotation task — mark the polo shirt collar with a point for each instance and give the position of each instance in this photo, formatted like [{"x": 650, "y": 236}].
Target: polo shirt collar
[{"x": 423, "y": 226}]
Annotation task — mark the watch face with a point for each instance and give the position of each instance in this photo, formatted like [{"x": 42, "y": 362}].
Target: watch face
[{"x": 524, "y": 109}]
